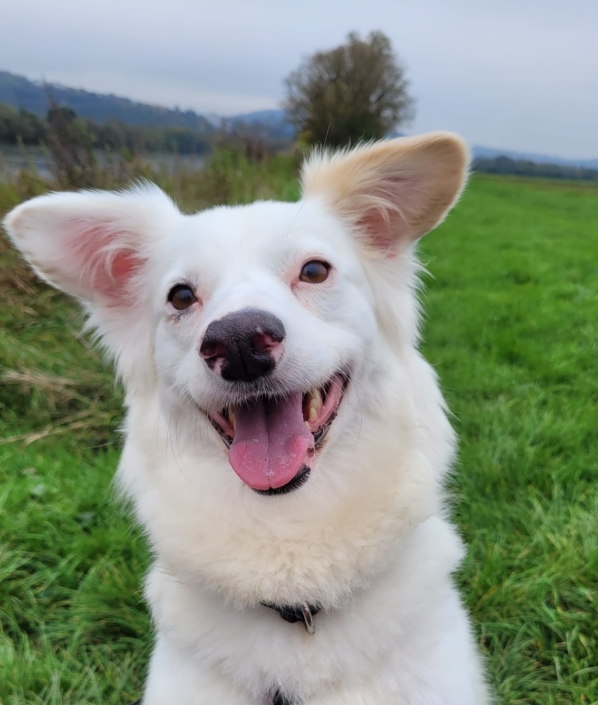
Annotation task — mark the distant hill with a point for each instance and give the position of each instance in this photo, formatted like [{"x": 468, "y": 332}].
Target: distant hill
[
  {"x": 491, "y": 153},
  {"x": 32, "y": 96},
  {"x": 273, "y": 123}
]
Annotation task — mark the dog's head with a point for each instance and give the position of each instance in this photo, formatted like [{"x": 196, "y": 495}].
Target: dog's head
[{"x": 261, "y": 319}]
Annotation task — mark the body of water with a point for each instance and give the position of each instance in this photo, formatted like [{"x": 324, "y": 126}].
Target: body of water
[{"x": 15, "y": 159}]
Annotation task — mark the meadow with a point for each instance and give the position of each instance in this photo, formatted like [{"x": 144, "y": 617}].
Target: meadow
[{"x": 511, "y": 327}]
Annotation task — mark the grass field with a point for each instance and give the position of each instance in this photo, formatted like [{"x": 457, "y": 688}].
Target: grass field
[{"x": 512, "y": 328}]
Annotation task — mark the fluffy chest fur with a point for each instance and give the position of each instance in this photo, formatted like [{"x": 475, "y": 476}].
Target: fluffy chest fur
[{"x": 260, "y": 651}]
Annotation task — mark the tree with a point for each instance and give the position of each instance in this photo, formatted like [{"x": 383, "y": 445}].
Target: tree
[
  {"x": 71, "y": 147},
  {"x": 355, "y": 92},
  {"x": 20, "y": 126}
]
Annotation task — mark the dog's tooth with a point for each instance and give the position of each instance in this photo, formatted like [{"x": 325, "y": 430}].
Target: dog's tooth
[
  {"x": 313, "y": 414},
  {"x": 231, "y": 417},
  {"x": 316, "y": 400}
]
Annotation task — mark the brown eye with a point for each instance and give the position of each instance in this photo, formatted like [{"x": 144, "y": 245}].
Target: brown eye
[
  {"x": 314, "y": 272},
  {"x": 181, "y": 297}
]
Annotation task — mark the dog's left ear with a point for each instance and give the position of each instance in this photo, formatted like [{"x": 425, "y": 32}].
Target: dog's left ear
[{"x": 391, "y": 192}]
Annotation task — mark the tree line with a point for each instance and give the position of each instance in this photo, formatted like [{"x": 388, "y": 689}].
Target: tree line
[
  {"x": 19, "y": 126},
  {"x": 523, "y": 167}
]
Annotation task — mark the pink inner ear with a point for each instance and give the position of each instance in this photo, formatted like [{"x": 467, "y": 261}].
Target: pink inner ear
[
  {"x": 104, "y": 266},
  {"x": 112, "y": 281},
  {"x": 384, "y": 220},
  {"x": 378, "y": 230},
  {"x": 383, "y": 233}
]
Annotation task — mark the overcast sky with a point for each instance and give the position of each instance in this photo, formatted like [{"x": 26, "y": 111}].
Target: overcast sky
[{"x": 514, "y": 74}]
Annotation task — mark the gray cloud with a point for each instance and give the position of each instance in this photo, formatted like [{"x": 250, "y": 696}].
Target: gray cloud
[{"x": 518, "y": 75}]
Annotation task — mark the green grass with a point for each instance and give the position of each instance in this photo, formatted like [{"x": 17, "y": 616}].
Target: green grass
[{"x": 511, "y": 326}]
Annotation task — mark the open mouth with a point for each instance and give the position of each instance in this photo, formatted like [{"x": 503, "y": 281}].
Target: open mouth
[{"x": 272, "y": 441}]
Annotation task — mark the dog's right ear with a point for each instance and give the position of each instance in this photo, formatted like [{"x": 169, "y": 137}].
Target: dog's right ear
[
  {"x": 92, "y": 244},
  {"x": 97, "y": 246},
  {"x": 390, "y": 192}
]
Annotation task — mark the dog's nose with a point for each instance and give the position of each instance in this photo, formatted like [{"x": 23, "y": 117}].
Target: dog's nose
[{"x": 243, "y": 345}]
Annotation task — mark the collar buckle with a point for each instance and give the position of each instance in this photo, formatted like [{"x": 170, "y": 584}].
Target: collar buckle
[{"x": 308, "y": 618}]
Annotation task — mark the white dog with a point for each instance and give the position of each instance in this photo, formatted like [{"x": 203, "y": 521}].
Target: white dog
[{"x": 286, "y": 442}]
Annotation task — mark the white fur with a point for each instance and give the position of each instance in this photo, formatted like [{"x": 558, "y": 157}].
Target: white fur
[{"x": 366, "y": 536}]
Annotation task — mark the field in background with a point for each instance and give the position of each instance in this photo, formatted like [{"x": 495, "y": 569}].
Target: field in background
[{"x": 511, "y": 327}]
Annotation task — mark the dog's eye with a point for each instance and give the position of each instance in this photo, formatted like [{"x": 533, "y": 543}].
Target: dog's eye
[
  {"x": 314, "y": 272},
  {"x": 181, "y": 297}
]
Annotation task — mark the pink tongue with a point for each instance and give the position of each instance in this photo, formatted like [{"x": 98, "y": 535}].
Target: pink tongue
[{"x": 272, "y": 442}]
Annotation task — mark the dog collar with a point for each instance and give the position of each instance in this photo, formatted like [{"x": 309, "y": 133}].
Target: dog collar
[{"x": 303, "y": 612}]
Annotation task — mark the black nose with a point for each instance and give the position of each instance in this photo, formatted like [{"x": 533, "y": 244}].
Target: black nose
[{"x": 244, "y": 345}]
